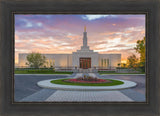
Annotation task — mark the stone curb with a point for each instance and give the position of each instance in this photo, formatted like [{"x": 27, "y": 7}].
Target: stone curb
[{"x": 48, "y": 84}]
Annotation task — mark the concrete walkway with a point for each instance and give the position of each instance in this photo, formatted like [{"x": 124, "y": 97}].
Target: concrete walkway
[
  {"x": 87, "y": 96},
  {"x": 51, "y": 95}
]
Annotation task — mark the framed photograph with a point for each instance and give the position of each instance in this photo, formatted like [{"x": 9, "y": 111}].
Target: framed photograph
[
  {"x": 57, "y": 63},
  {"x": 79, "y": 58}
]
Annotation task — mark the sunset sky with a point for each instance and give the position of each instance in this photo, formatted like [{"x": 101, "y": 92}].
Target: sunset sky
[{"x": 64, "y": 33}]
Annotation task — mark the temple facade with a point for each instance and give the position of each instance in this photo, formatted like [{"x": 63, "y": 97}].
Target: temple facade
[{"x": 81, "y": 59}]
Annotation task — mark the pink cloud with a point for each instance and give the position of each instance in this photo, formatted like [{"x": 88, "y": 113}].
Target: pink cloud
[{"x": 64, "y": 35}]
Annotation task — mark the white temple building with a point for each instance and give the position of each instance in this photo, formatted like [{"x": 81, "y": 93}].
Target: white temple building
[{"x": 81, "y": 59}]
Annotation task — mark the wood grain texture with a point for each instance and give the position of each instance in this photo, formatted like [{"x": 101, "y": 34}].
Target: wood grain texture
[{"x": 150, "y": 7}]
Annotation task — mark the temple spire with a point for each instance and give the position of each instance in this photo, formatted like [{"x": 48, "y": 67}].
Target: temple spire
[
  {"x": 85, "y": 37},
  {"x": 84, "y": 28}
]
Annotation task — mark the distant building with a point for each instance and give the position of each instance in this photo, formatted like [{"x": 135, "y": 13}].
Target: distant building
[{"x": 82, "y": 59}]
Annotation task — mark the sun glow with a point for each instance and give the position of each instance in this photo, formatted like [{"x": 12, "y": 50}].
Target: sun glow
[{"x": 124, "y": 61}]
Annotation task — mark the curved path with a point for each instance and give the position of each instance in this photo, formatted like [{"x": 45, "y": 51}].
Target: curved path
[{"x": 48, "y": 84}]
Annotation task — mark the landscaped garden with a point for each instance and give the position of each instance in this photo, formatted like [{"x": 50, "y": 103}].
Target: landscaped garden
[
  {"x": 52, "y": 71},
  {"x": 86, "y": 82},
  {"x": 92, "y": 82}
]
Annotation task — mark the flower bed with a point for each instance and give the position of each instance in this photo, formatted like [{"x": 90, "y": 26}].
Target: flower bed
[{"x": 88, "y": 81}]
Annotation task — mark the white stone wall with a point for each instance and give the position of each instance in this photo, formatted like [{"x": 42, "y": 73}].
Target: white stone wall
[
  {"x": 114, "y": 59},
  {"x": 62, "y": 60},
  {"x": 69, "y": 60}
]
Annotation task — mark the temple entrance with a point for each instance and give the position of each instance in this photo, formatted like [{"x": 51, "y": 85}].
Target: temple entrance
[{"x": 85, "y": 63}]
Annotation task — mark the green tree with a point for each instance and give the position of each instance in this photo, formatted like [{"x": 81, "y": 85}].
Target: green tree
[
  {"x": 119, "y": 64},
  {"x": 35, "y": 60},
  {"x": 123, "y": 65},
  {"x": 132, "y": 61},
  {"x": 140, "y": 48}
]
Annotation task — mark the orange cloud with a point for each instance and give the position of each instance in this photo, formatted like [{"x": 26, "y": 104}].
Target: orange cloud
[{"x": 64, "y": 35}]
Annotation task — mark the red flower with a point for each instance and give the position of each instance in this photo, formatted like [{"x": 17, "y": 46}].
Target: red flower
[{"x": 78, "y": 80}]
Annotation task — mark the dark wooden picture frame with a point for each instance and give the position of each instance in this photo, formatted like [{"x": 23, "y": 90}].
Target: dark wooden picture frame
[{"x": 148, "y": 7}]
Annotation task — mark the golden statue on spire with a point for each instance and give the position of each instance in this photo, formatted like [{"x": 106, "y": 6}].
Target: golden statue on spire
[{"x": 85, "y": 28}]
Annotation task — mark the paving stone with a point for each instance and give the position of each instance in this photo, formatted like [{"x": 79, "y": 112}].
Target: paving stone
[
  {"x": 86, "y": 96},
  {"x": 41, "y": 95}
]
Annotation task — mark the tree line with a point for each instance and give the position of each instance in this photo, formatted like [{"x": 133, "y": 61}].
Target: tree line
[{"x": 134, "y": 62}]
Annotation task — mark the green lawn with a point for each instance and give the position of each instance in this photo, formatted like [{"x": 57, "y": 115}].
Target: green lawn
[
  {"x": 113, "y": 72},
  {"x": 62, "y": 82},
  {"x": 101, "y": 73},
  {"x": 39, "y": 72},
  {"x": 51, "y": 71}
]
